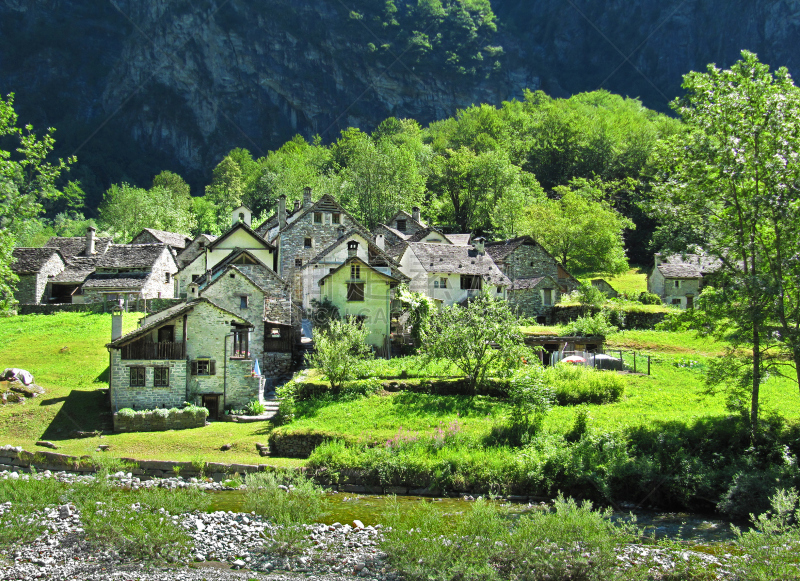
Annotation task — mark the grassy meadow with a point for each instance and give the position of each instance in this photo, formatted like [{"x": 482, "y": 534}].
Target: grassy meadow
[{"x": 67, "y": 356}]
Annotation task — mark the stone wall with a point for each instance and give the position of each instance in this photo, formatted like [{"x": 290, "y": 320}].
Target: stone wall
[
  {"x": 296, "y": 445},
  {"x": 31, "y": 287},
  {"x": 529, "y": 261},
  {"x": 17, "y": 459},
  {"x": 123, "y": 395},
  {"x": 276, "y": 364},
  {"x": 157, "y": 286},
  {"x": 151, "y": 422},
  {"x": 529, "y": 302}
]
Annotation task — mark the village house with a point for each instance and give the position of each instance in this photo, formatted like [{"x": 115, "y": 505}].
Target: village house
[
  {"x": 679, "y": 278},
  {"x": 193, "y": 250},
  {"x": 240, "y": 236},
  {"x": 363, "y": 292},
  {"x": 400, "y": 227},
  {"x": 537, "y": 279},
  {"x": 188, "y": 352},
  {"x": 177, "y": 242},
  {"x": 35, "y": 268},
  {"x": 89, "y": 269},
  {"x": 451, "y": 274},
  {"x": 243, "y": 285},
  {"x": 336, "y": 254}
]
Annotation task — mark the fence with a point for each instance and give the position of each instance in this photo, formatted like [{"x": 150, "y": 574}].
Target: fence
[{"x": 601, "y": 360}]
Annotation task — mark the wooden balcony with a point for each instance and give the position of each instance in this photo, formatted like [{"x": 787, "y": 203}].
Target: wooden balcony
[{"x": 149, "y": 350}]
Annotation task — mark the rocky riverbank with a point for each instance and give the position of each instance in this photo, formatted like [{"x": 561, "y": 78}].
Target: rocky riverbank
[{"x": 228, "y": 545}]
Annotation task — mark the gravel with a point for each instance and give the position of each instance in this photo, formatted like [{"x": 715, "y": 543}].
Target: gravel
[{"x": 227, "y": 545}]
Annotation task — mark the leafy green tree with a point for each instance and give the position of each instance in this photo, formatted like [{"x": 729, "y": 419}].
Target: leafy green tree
[
  {"x": 26, "y": 184},
  {"x": 379, "y": 179},
  {"x": 174, "y": 183},
  {"x": 582, "y": 232},
  {"x": 126, "y": 210},
  {"x": 530, "y": 399},
  {"x": 339, "y": 351},
  {"x": 226, "y": 189},
  {"x": 732, "y": 180},
  {"x": 467, "y": 336}
]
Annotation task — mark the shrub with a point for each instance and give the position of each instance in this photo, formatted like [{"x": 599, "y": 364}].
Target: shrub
[
  {"x": 649, "y": 299},
  {"x": 576, "y": 384},
  {"x": 530, "y": 400},
  {"x": 770, "y": 549},
  {"x": 339, "y": 350},
  {"x": 590, "y": 326},
  {"x": 161, "y": 413},
  {"x": 255, "y": 407},
  {"x": 126, "y": 413}
]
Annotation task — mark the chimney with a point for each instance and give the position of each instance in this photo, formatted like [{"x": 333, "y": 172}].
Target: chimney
[
  {"x": 116, "y": 323},
  {"x": 380, "y": 241},
  {"x": 282, "y": 212},
  {"x": 352, "y": 248},
  {"x": 306, "y": 197},
  {"x": 478, "y": 245},
  {"x": 415, "y": 215},
  {"x": 296, "y": 205},
  {"x": 340, "y": 231},
  {"x": 90, "y": 231}
]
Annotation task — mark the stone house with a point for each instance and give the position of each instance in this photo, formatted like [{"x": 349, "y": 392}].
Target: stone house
[
  {"x": 36, "y": 268},
  {"x": 240, "y": 236},
  {"x": 131, "y": 272},
  {"x": 363, "y": 292},
  {"x": 335, "y": 255},
  {"x": 193, "y": 250},
  {"x": 261, "y": 297},
  {"x": 400, "y": 227},
  {"x": 187, "y": 352},
  {"x": 177, "y": 242},
  {"x": 679, "y": 278},
  {"x": 538, "y": 279},
  {"x": 92, "y": 269},
  {"x": 304, "y": 233},
  {"x": 604, "y": 287},
  {"x": 450, "y": 274}
]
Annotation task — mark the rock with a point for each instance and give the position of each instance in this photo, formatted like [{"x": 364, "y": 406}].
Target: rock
[
  {"x": 261, "y": 447},
  {"x": 226, "y": 447},
  {"x": 238, "y": 563},
  {"x": 358, "y": 524},
  {"x": 46, "y": 444},
  {"x": 15, "y": 374},
  {"x": 104, "y": 447},
  {"x": 64, "y": 511}
]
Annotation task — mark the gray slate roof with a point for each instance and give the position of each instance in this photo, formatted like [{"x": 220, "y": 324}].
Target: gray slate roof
[
  {"x": 124, "y": 281},
  {"x": 78, "y": 268},
  {"x": 74, "y": 245},
  {"x": 31, "y": 260},
  {"x": 500, "y": 250},
  {"x": 532, "y": 282},
  {"x": 157, "y": 319},
  {"x": 130, "y": 256},
  {"x": 170, "y": 238},
  {"x": 688, "y": 265},
  {"x": 454, "y": 259},
  {"x": 459, "y": 239}
]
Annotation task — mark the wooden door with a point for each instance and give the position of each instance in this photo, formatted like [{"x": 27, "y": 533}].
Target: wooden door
[{"x": 211, "y": 403}]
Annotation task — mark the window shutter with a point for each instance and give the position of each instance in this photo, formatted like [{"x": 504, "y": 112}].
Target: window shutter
[
  {"x": 212, "y": 367},
  {"x": 194, "y": 367}
]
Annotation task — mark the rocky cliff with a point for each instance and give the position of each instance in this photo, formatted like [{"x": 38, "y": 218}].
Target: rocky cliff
[{"x": 185, "y": 81}]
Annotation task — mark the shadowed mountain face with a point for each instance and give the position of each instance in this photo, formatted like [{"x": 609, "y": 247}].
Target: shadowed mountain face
[{"x": 140, "y": 86}]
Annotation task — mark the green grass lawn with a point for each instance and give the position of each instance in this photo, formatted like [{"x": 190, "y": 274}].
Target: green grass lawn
[
  {"x": 633, "y": 281},
  {"x": 671, "y": 393},
  {"x": 66, "y": 353}
]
